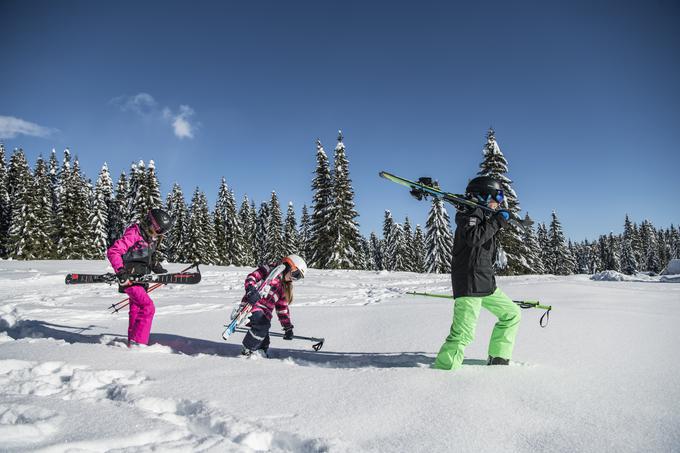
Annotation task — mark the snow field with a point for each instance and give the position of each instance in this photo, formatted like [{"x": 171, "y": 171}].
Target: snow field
[{"x": 598, "y": 378}]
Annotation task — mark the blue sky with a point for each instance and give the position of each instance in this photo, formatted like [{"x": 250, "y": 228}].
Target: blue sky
[{"x": 584, "y": 97}]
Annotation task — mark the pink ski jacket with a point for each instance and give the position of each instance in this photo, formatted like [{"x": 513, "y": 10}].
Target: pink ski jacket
[
  {"x": 275, "y": 299},
  {"x": 131, "y": 247}
]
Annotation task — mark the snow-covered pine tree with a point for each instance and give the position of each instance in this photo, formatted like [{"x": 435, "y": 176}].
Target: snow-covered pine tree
[
  {"x": 322, "y": 212},
  {"x": 248, "y": 231},
  {"x": 221, "y": 220},
  {"x": 20, "y": 183},
  {"x": 408, "y": 246},
  {"x": 344, "y": 230},
  {"x": 418, "y": 251},
  {"x": 254, "y": 240},
  {"x": 74, "y": 200},
  {"x": 42, "y": 234},
  {"x": 305, "y": 233},
  {"x": 275, "y": 230},
  {"x": 201, "y": 237},
  {"x": 178, "y": 238},
  {"x": 629, "y": 264},
  {"x": 5, "y": 205},
  {"x": 438, "y": 239},
  {"x": 99, "y": 214},
  {"x": 367, "y": 251},
  {"x": 534, "y": 256},
  {"x": 674, "y": 242},
  {"x": 511, "y": 237},
  {"x": 582, "y": 257},
  {"x": 263, "y": 249},
  {"x": 650, "y": 248},
  {"x": 136, "y": 187},
  {"x": 377, "y": 247},
  {"x": 388, "y": 242},
  {"x": 291, "y": 238},
  {"x": 53, "y": 170},
  {"x": 397, "y": 247},
  {"x": 118, "y": 214},
  {"x": 561, "y": 261},
  {"x": 544, "y": 245},
  {"x": 234, "y": 233}
]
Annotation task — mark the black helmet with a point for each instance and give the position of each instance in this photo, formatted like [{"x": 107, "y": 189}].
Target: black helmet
[
  {"x": 159, "y": 221},
  {"x": 486, "y": 187}
]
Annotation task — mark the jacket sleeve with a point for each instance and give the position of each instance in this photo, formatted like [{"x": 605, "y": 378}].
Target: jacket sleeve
[
  {"x": 254, "y": 277},
  {"x": 477, "y": 230},
  {"x": 120, "y": 247}
]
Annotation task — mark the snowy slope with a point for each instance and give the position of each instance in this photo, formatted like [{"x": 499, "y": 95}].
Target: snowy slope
[{"x": 601, "y": 377}]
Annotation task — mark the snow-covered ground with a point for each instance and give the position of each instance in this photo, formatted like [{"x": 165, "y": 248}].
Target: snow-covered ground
[{"x": 603, "y": 376}]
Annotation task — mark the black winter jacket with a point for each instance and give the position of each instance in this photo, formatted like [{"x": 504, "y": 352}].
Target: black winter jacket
[{"x": 473, "y": 253}]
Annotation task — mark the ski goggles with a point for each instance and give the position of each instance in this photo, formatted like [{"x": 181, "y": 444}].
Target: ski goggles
[
  {"x": 499, "y": 197},
  {"x": 297, "y": 275}
]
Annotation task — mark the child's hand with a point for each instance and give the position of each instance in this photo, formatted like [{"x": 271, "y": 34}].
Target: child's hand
[
  {"x": 252, "y": 295},
  {"x": 288, "y": 335}
]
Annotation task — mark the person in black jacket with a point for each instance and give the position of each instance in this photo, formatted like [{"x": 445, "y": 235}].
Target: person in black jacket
[{"x": 474, "y": 284}]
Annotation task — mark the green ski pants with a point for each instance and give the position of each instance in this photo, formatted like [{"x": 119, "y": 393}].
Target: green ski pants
[{"x": 465, "y": 314}]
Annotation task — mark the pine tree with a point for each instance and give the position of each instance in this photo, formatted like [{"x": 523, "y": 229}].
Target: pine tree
[
  {"x": 201, "y": 238},
  {"x": 612, "y": 259},
  {"x": 305, "y": 234},
  {"x": 248, "y": 231},
  {"x": 5, "y": 204},
  {"x": 99, "y": 214},
  {"x": 322, "y": 212},
  {"x": 20, "y": 183},
  {"x": 344, "y": 230},
  {"x": 397, "y": 247},
  {"x": 118, "y": 215},
  {"x": 367, "y": 251},
  {"x": 262, "y": 249},
  {"x": 544, "y": 245},
  {"x": 376, "y": 247},
  {"x": 144, "y": 191},
  {"x": 74, "y": 203},
  {"x": 418, "y": 251},
  {"x": 534, "y": 259},
  {"x": 674, "y": 243},
  {"x": 178, "y": 238},
  {"x": 629, "y": 264},
  {"x": 42, "y": 234},
  {"x": 408, "y": 247},
  {"x": 291, "y": 238},
  {"x": 254, "y": 240},
  {"x": 275, "y": 230},
  {"x": 388, "y": 259},
  {"x": 510, "y": 237},
  {"x": 560, "y": 261},
  {"x": 438, "y": 239},
  {"x": 649, "y": 246},
  {"x": 227, "y": 228}
]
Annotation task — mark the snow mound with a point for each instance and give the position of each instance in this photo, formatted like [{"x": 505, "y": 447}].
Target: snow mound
[
  {"x": 614, "y": 276},
  {"x": 673, "y": 267}
]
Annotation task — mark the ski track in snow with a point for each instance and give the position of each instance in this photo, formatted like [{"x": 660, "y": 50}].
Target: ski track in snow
[{"x": 186, "y": 425}]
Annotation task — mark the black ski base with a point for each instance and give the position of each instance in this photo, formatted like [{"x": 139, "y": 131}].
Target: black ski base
[{"x": 178, "y": 278}]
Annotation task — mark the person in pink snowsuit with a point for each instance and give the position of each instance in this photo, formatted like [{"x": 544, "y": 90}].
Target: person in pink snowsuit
[{"x": 133, "y": 254}]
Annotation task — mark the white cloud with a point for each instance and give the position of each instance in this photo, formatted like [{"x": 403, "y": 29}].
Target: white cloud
[
  {"x": 10, "y": 127},
  {"x": 145, "y": 105},
  {"x": 180, "y": 121},
  {"x": 142, "y": 104}
]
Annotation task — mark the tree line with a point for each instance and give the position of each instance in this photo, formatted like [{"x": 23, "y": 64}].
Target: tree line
[{"x": 53, "y": 211}]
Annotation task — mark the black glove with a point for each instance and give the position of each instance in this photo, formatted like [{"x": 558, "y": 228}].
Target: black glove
[
  {"x": 288, "y": 333},
  {"x": 156, "y": 268},
  {"x": 503, "y": 217},
  {"x": 123, "y": 277},
  {"x": 252, "y": 295}
]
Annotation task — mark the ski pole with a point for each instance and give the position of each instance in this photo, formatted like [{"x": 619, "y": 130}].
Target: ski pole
[
  {"x": 522, "y": 304},
  {"x": 318, "y": 345},
  {"x": 117, "y": 306}
]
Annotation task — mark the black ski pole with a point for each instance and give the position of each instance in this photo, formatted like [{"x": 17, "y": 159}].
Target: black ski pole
[{"x": 316, "y": 346}]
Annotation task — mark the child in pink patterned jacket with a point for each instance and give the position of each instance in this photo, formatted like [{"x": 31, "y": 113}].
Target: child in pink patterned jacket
[
  {"x": 279, "y": 297},
  {"x": 133, "y": 254}
]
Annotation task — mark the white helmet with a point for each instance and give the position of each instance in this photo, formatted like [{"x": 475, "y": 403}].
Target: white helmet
[{"x": 297, "y": 266}]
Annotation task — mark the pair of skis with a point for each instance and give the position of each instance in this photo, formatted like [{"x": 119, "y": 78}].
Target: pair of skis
[
  {"x": 425, "y": 187},
  {"x": 175, "y": 278}
]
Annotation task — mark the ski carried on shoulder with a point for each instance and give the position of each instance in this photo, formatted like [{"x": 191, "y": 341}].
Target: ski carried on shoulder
[
  {"x": 240, "y": 314},
  {"x": 425, "y": 187},
  {"x": 176, "y": 278}
]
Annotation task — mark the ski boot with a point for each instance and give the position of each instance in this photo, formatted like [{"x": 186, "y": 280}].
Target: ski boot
[
  {"x": 245, "y": 352},
  {"x": 498, "y": 361}
]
